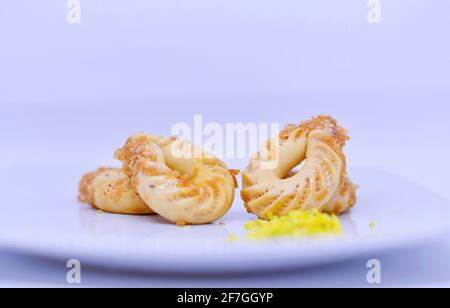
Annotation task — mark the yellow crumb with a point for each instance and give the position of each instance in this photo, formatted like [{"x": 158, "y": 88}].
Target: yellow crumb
[
  {"x": 181, "y": 223},
  {"x": 296, "y": 223},
  {"x": 232, "y": 238},
  {"x": 100, "y": 212},
  {"x": 372, "y": 225}
]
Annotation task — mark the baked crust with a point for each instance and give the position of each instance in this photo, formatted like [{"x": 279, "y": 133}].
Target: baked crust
[
  {"x": 180, "y": 181},
  {"x": 270, "y": 187},
  {"x": 109, "y": 190}
]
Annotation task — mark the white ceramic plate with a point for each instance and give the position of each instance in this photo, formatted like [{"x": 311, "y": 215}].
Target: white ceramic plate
[{"x": 40, "y": 215}]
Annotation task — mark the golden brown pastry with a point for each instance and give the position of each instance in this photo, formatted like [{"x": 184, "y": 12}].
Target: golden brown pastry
[
  {"x": 181, "y": 182},
  {"x": 270, "y": 187},
  {"x": 110, "y": 190}
]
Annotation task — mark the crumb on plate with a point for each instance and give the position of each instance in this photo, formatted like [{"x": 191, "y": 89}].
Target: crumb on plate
[
  {"x": 297, "y": 223},
  {"x": 181, "y": 223},
  {"x": 232, "y": 238}
]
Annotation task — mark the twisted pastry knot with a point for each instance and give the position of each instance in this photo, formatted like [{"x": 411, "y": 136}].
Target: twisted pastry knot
[
  {"x": 110, "y": 190},
  {"x": 178, "y": 180},
  {"x": 321, "y": 183}
]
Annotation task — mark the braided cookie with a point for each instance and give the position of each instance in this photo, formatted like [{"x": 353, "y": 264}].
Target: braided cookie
[
  {"x": 110, "y": 190},
  {"x": 321, "y": 183},
  {"x": 178, "y": 180}
]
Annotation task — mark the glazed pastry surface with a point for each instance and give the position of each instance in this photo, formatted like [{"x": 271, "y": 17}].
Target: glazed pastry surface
[
  {"x": 180, "y": 182},
  {"x": 110, "y": 190},
  {"x": 271, "y": 187}
]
